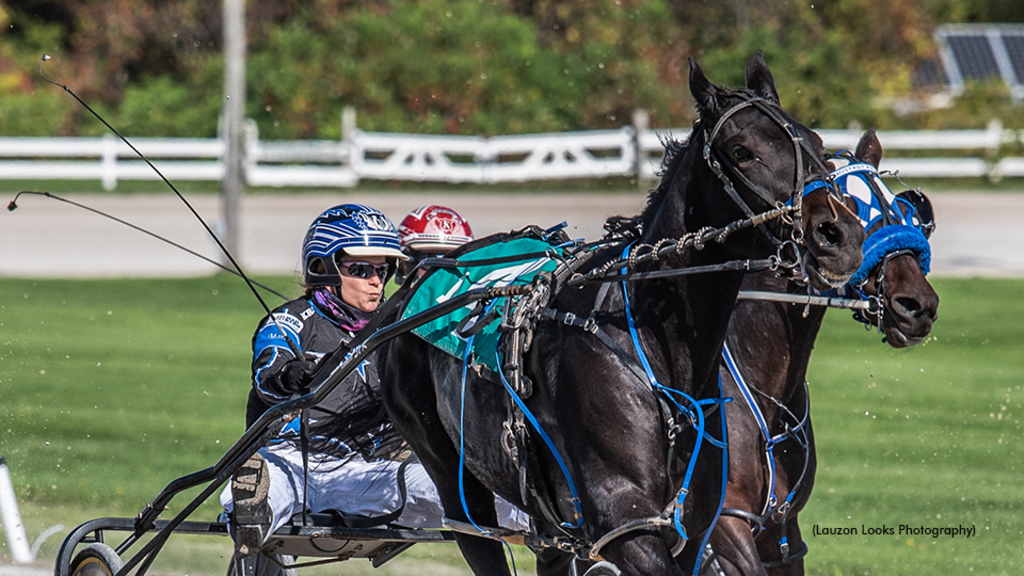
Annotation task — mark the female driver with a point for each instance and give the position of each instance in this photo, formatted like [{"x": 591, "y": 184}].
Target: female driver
[{"x": 349, "y": 253}]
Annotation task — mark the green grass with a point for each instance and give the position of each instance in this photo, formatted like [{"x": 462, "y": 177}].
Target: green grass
[
  {"x": 111, "y": 389},
  {"x": 926, "y": 436}
]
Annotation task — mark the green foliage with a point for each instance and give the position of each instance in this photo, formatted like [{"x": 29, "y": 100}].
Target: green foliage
[
  {"x": 989, "y": 99},
  {"x": 462, "y": 66},
  {"x": 817, "y": 83},
  {"x": 163, "y": 106},
  {"x": 469, "y": 66},
  {"x": 32, "y": 114}
]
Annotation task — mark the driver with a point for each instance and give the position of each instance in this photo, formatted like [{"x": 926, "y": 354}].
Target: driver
[
  {"x": 353, "y": 450},
  {"x": 430, "y": 231}
]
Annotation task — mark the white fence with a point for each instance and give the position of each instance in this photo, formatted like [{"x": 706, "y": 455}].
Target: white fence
[{"x": 426, "y": 158}]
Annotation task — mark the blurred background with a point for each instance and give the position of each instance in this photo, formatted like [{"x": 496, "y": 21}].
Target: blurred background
[
  {"x": 124, "y": 362},
  {"x": 155, "y": 68}
]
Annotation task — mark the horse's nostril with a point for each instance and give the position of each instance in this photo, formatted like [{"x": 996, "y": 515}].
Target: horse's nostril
[
  {"x": 910, "y": 306},
  {"x": 829, "y": 233}
]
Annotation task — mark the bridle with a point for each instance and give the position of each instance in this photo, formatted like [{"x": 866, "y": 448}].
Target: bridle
[{"x": 801, "y": 185}]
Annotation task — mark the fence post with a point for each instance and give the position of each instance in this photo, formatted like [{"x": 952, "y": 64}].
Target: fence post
[
  {"x": 641, "y": 123},
  {"x": 250, "y": 147},
  {"x": 995, "y": 135},
  {"x": 108, "y": 162},
  {"x": 11, "y": 518},
  {"x": 348, "y": 139}
]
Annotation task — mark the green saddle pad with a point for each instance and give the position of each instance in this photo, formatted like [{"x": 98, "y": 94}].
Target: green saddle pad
[{"x": 445, "y": 283}]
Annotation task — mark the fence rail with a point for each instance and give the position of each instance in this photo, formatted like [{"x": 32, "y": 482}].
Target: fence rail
[{"x": 387, "y": 156}]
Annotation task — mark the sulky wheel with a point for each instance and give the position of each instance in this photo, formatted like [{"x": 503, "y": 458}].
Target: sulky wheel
[
  {"x": 603, "y": 569},
  {"x": 96, "y": 560}
]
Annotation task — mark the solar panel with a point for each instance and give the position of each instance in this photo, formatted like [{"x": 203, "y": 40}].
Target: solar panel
[
  {"x": 1015, "y": 50},
  {"x": 982, "y": 52},
  {"x": 975, "y": 57}
]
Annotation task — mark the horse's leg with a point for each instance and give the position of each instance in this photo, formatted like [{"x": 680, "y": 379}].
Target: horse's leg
[
  {"x": 734, "y": 547},
  {"x": 411, "y": 401}
]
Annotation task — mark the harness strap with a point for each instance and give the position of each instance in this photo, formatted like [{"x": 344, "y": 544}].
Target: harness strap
[
  {"x": 771, "y": 509},
  {"x": 756, "y": 520},
  {"x": 786, "y": 560},
  {"x": 697, "y": 411},
  {"x": 755, "y": 411},
  {"x": 632, "y": 525},
  {"x": 578, "y": 511},
  {"x": 589, "y": 325}
]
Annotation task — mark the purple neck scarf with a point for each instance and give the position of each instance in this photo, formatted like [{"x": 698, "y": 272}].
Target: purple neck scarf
[{"x": 346, "y": 316}]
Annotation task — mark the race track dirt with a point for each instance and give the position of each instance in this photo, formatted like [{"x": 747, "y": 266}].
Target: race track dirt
[{"x": 979, "y": 234}]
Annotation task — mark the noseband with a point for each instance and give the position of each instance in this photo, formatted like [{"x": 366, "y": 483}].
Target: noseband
[{"x": 800, "y": 184}]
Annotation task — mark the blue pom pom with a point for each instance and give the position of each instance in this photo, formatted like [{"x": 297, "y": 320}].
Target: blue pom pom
[{"x": 888, "y": 240}]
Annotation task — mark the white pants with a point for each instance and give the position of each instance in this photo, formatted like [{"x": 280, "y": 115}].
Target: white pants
[{"x": 356, "y": 487}]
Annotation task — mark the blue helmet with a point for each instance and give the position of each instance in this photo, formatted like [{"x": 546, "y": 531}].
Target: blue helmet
[{"x": 352, "y": 229}]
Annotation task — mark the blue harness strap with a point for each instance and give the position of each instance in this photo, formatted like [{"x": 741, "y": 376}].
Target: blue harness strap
[
  {"x": 694, "y": 412},
  {"x": 771, "y": 506},
  {"x": 467, "y": 351},
  {"x": 755, "y": 411}
]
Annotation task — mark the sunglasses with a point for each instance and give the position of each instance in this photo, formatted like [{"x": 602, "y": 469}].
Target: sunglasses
[{"x": 364, "y": 270}]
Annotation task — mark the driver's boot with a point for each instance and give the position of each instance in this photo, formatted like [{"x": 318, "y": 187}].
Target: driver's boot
[{"x": 251, "y": 517}]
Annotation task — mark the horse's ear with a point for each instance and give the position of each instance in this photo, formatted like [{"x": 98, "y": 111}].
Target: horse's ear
[
  {"x": 869, "y": 149},
  {"x": 704, "y": 92},
  {"x": 759, "y": 78}
]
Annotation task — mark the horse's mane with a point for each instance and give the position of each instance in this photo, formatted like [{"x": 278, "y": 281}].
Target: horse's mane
[{"x": 632, "y": 226}]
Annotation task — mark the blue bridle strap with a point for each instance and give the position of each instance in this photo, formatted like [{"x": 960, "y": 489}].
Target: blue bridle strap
[
  {"x": 770, "y": 441},
  {"x": 695, "y": 414},
  {"x": 811, "y": 187},
  {"x": 578, "y": 510}
]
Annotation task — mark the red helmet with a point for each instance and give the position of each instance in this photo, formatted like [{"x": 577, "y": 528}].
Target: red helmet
[{"x": 433, "y": 230}]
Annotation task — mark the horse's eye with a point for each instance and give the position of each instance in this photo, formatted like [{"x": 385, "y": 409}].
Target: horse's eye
[{"x": 742, "y": 154}]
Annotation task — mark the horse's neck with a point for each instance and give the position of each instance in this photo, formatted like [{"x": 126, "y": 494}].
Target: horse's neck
[
  {"x": 683, "y": 320},
  {"x": 772, "y": 342}
]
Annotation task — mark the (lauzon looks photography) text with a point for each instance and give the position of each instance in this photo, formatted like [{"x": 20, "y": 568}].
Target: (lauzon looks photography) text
[{"x": 900, "y": 529}]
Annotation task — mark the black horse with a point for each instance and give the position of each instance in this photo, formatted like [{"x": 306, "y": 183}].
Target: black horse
[
  {"x": 770, "y": 344},
  {"x": 604, "y": 420}
]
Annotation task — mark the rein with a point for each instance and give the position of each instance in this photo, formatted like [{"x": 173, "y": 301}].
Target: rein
[
  {"x": 643, "y": 253},
  {"x": 872, "y": 304}
]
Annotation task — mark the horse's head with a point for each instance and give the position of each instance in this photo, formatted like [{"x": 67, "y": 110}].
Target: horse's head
[
  {"x": 765, "y": 159},
  {"x": 896, "y": 251}
]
